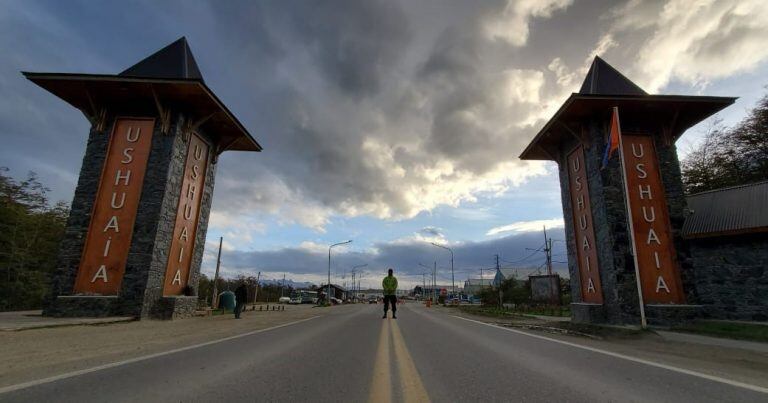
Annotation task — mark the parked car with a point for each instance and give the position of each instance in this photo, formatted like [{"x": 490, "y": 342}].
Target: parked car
[
  {"x": 373, "y": 300},
  {"x": 284, "y": 300},
  {"x": 335, "y": 301}
]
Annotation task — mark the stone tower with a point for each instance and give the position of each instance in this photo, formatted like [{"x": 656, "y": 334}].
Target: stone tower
[
  {"x": 603, "y": 260},
  {"x": 136, "y": 231}
]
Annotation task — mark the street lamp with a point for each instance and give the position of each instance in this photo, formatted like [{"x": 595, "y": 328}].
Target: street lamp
[
  {"x": 453, "y": 281},
  {"x": 354, "y": 272},
  {"x": 328, "y": 295},
  {"x": 433, "y": 281}
]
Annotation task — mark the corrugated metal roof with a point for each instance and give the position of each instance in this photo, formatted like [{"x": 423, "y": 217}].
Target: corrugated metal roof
[{"x": 728, "y": 211}]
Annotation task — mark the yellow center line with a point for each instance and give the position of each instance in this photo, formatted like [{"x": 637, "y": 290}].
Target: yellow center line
[
  {"x": 381, "y": 384},
  {"x": 410, "y": 381}
]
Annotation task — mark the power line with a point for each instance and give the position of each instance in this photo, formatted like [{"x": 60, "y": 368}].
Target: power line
[{"x": 525, "y": 258}]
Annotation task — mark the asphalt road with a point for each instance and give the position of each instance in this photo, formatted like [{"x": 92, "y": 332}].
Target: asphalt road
[{"x": 352, "y": 355}]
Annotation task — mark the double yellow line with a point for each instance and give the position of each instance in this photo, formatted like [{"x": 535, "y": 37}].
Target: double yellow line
[{"x": 410, "y": 381}]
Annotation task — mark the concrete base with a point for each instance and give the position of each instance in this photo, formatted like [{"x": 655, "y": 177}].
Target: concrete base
[
  {"x": 583, "y": 312},
  {"x": 176, "y": 307},
  {"x": 71, "y": 306}
]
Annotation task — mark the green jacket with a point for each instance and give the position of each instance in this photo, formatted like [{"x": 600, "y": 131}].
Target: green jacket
[{"x": 389, "y": 284}]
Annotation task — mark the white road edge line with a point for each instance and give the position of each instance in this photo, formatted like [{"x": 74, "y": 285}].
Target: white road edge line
[
  {"x": 629, "y": 358},
  {"x": 55, "y": 378}
]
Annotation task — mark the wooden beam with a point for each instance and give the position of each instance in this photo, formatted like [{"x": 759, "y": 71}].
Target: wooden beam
[
  {"x": 97, "y": 116},
  {"x": 163, "y": 113},
  {"x": 669, "y": 136},
  {"x": 549, "y": 153},
  {"x": 190, "y": 127}
]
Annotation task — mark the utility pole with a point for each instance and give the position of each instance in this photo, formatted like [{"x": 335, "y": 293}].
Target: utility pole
[
  {"x": 282, "y": 288},
  {"x": 328, "y": 295},
  {"x": 434, "y": 283},
  {"x": 548, "y": 250},
  {"x": 214, "y": 299},
  {"x": 354, "y": 272},
  {"x": 481, "y": 281},
  {"x": 501, "y": 293},
  {"x": 256, "y": 294},
  {"x": 453, "y": 278}
]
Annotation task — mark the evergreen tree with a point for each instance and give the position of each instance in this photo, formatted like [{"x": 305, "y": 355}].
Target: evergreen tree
[
  {"x": 730, "y": 156},
  {"x": 30, "y": 232}
]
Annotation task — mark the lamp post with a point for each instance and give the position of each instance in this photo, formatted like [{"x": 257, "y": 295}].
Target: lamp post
[
  {"x": 354, "y": 271},
  {"x": 433, "y": 281},
  {"x": 328, "y": 295},
  {"x": 453, "y": 281}
]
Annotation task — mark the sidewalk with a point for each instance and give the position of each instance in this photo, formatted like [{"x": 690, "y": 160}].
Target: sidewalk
[{"x": 24, "y": 320}]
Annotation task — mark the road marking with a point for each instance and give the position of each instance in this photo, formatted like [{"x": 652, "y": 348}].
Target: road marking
[
  {"x": 381, "y": 384},
  {"x": 25, "y": 385},
  {"x": 629, "y": 358},
  {"x": 410, "y": 381}
]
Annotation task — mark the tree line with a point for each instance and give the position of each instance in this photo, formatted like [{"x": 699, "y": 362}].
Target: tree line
[
  {"x": 31, "y": 228},
  {"x": 730, "y": 156}
]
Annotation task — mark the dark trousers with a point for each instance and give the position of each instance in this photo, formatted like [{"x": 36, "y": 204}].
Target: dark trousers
[
  {"x": 390, "y": 299},
  {"x": 239, "y": 308}
]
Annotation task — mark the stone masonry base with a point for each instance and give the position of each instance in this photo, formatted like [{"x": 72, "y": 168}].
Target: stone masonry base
[{"x": 82, "y": 306}]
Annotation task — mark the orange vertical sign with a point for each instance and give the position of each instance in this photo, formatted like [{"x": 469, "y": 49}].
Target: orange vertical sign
[
  {"x": 583, "y": 228},
  {"x": 187, "y": 214},
  {"x": 656, "y": 259},
  {"x": 114, "y": 212}
]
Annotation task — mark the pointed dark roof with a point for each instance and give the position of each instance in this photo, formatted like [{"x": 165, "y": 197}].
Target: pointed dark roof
[
  {"x": 168, "y": 79},
  {"x": 605, "y": 88},
  {"x": 603, "y": 79},
  {"x": 173, "y": 61}
]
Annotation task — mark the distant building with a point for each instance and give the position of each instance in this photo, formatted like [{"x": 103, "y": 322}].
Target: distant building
[
  {"x": 438, "y": 289},
  {"x": 545, "y": 288},
  {"x": 474, "y": 286},
  {"x": 337, "y": 291},
  {"x": 508, "y": 273}
]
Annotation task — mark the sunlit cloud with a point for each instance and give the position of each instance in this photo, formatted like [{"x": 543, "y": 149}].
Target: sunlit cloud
[{"x": 526, "y": 226}]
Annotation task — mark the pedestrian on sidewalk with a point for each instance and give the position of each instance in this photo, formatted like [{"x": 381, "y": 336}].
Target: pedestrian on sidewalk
[
  {"x": 389, "y": 284},
  {"x": 241, "y": 296}
]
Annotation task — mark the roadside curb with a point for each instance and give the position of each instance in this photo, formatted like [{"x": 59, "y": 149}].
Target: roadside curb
[{"x": 83, "y": 322}]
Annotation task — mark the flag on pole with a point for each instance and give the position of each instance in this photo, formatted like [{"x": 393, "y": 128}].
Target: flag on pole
[{"x": 613, "y": 138}]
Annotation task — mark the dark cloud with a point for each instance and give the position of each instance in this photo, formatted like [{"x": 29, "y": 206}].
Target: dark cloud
[
  {"x": 356, "y": 44},
  {"x": 405, "y": 256},
  {"x": 431, "y": 231}
]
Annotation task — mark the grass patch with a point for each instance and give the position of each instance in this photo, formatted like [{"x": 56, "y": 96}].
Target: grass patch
[
  {"x": 486, "y": 311},
  {"x": 598, "y": 330},
  {"x": 507, "y": 312},
  {"x": 731, "y": 330}
]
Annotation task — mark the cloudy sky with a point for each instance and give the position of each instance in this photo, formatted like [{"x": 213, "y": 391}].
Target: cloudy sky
[{"x": 391, "y": 123}]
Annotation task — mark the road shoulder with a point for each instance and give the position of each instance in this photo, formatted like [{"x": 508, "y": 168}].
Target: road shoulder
[
  {"x": 41, "y": 353},
  {"x": 726, "y": 361}
]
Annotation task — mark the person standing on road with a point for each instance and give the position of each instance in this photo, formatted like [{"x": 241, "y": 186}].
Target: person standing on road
[
  {"x": 241, "y": 295},
  {"x": 389, "y": 284}
]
